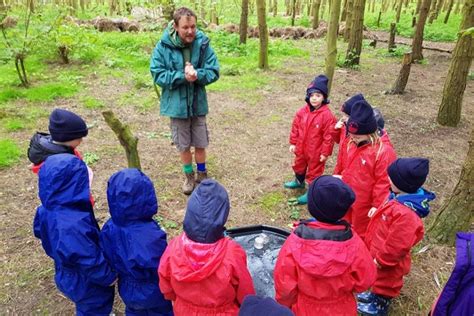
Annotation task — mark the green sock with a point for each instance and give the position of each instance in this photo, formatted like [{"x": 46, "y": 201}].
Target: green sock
[{"x": 188, "y": 168}]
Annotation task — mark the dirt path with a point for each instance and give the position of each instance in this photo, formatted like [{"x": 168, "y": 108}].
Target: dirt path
[{"x": 444, "y": 47}]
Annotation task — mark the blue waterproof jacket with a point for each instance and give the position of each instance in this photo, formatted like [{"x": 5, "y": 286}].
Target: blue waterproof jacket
[
  {"x": 69, "y": 233},
  {"x": 181, "y": 99},
  {"x": 133, "y": 242}
]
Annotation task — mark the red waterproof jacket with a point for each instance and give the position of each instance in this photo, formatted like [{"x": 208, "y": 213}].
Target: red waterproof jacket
[
  {"x": 342, "y": 140},
  {"x": 204, "y": 279},
  {"x": 393, "y": 230},
  {"x": 311, "y": 134},
  {"x": 318, "y": 276},
  {"x": 365, "y": 171}
]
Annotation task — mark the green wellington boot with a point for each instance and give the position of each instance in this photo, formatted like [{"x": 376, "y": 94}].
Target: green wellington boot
[
  {"x": 303, "y": 199},
  {"x": 294, "y": 184}
]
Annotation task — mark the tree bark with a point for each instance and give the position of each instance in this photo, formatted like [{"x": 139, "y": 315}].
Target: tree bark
[
  {"x": 126, "y": 138},
  {"x": 391, "y": 39},
  {"x": 275, "y": 8},
  {"x": 401, "y": 82},
  {"x": 432, "y": 11},
  {"x": 263, "y": 35},
  {"x": 331, "y": 40},
  {"x": 450, "y": 109},
  {"x": 293, "y": 12},
  {"x": 349, "y": 15},
  {"x": 457, "y": 213},
  {"x": 344, "y": 10},
  {"x": 244, "y": 14},
  {"x": 450, "y": 7},
  {"x": 399, "y": 11},
  {"x": 418, "y": 6},
  {"x": 315, "y": 22},
  {"x": 416, "y": 46},
  {"x": 354, "y": 48}
]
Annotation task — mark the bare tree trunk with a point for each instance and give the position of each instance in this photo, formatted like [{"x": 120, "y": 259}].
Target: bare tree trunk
[
  {"x": 31, "y": 3},
  {"x": 418, "y": 6},
  {"x": 450, "y": 109},
  {"x": 202, "y": 6},
  {"x": 331, "y": 40},
  {"x": 432, "y": 11},
  {"x": 457, "y": 8},
  {"x": 401, "y": 83},
  {"x": 450, "y": 7},
  {"x": 354, "y": 48},
  {"x": 126, "y": 138},
  {"x": 344, "y": 11},
  {"x": 457, "y": 213},
  {"x": 323, "y": 8},
  {"x": 315, "y": 22},
  {"x": 288, "y": 7},
  {"x": 214, "y": 18},
  {"x": 391, "y": 39},
  {"x": 399, "y": 11},
  {"x": 350, "y": 12},
  {"x": 275, "y": 8},
  {"x": 244, "y": 21},
  {"x": 293, "y": 12},
  {"x": 263, "y": 35},
  {"x": 416, "y": 46}
]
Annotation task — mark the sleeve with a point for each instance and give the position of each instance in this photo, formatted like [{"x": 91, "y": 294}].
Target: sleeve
[
  {"x": 105, "y": 241},
  {"x": 335, "y": 133},
  {"x": 241, "y": 280},
  {"x": 81, "y": 249},
  {"x": 210, "y": 70},
  {"x": 286, "y": 277},
  {"x": 162, "y": 74},
  {"x": 328, "y": 142},
  {"x": 381, "y": 186},
  {"x": 404, "y": 232},
  {"x": 164, "y": 274},
  {"x": 364, "y": 271},
  {"x": 341, "y": 157},
  {"x": 294, "y": 134},
  {"x": 37, "y": 223}
]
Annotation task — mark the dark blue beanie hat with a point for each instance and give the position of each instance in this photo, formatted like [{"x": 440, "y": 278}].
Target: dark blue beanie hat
[
  {"x": 319, "y": 84},
  {"x": 207, "y": 212},
  {"x": 379, "y": 118},
  {"x": 329, "y": 199},
  {"x": 65, "y": 126},
  {"x": 362, "y": 119},
  {"x": 347, "y": 106},
  {"x": 409, "y": 174},
  {"x": 262, "y": 306}
]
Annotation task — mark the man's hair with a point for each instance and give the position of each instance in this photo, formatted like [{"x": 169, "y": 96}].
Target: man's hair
[{"x": 183, "y": 11}]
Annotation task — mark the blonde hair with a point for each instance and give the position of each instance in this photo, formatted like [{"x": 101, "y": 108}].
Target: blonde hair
[{"x": 374, "y": 139}]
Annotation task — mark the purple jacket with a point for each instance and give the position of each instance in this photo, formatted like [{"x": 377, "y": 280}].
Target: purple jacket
[{"x": 457, "y": 297}]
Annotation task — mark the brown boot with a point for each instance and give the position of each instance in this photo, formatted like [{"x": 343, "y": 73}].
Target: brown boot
[
  {"x": 189, "y": 183},
  {"x": 201, "y": 176}
]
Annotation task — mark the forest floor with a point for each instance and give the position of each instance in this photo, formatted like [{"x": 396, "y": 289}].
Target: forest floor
[{"x": 248, "y": 154}]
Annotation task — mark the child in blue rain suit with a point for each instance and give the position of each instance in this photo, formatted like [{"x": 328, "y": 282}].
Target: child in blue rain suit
[
  {"x": 133, "y": 242},
  {"x": 69, "y": 234}
]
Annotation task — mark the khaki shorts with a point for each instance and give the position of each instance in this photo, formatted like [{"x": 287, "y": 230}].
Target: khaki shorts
[{"x": 190, "y": 132}]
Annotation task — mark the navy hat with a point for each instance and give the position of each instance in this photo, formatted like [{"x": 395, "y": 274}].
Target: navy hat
[
  {"x": 379, "y": 118},
  {"x": 362, "y": 119},
  {"x": 319, "y": 84},
  {"x": 262, "y": 306},
  {"x": 65, "y": 126},
  {"x": 329, "y": 199},
  {"x": 207, "y": 212},
  {"x": 349, "y": 103},
  {"x": 409, "y": 174}
]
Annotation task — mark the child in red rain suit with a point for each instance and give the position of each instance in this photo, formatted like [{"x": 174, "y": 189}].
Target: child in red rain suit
[
  {"x": 323, "y": 262},
  {"x": 310, "y": 137},
  {"x": 339, "y": 132},
  {"x": 394, "y": 229},
  {"x": 365, "y": 167},
  {"x": 201, "y": 271}
]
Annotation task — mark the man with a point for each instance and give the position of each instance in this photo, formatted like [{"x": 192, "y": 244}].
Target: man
[{"x": 182, "y": 64}]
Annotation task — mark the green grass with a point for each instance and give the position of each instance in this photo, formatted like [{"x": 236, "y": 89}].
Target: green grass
[
  {"x": 10, "y": 153},
  {"x": 92, "y": 103},
  {"x": 14, "y": 124},
  {"x": 271, "y": 202}
]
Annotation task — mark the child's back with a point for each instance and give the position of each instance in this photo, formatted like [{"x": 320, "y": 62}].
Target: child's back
[
  {"x": 202, "y": 271},
  {"x": 69, "y": 234},
  {"x": 134, "y": 243}
]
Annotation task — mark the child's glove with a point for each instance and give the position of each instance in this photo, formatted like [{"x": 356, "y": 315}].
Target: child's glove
[
  {"x": 377, "y": 264},
  {"x": 292, "y": 148},
  {"x": 339, "y": 124},
  {"x": 322, "y": 158}
]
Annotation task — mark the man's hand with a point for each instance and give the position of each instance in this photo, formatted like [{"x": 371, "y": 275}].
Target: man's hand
[{"x": 189, "y": 72}]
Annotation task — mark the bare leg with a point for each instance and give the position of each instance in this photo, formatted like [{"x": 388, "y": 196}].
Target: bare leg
[
  {"x": 200, "y": 155},
  {"x": 186, "y": 157}
]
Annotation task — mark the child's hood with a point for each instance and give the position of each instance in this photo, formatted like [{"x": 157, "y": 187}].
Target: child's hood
[
  {"x": 64, "y": 183},
  {"x": 318, "y": 250},
  {"x": 418, "y": 201},
  {"x": 197, "y": 261},
  {"x": 131, "y": 196},
  {"x": 41, "y": 147}
]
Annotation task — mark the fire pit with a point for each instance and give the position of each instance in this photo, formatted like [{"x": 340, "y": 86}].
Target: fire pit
[{"x": 262, "y": 245}]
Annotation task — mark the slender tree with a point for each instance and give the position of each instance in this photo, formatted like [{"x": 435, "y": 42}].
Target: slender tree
[
  {"x": 331, "y": 40},
  {"x": 399, "y": 11},
  {"x": 457, "y": 213},
  {"x": 244, "y": 14},
  {"x": 417, "y": 43},
  {"x": 450, "y": 109},
  {"x": 263, "y": 35},
  {"x": 315, "y": 22},
  {"x": 448, "y": 11},
  {"x": 344, "y": 11},
  {"x": 354, "y": 48},
  {"x": 275, "y": 7},
  {"x": 293, "y": 12}
]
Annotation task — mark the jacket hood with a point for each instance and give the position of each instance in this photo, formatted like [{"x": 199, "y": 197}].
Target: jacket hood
[
  {"x": 322, "y": 257},
  {"x": 418, "y": 201},
  {"x": 42, "y": 146},
  {"x": 64, "y": 183},
  {"x": 171, "y": 38},
  {"x": 207, "y": 212},
  {"x": 131, "y": 196},
  {"x": 197, "y": 261}
]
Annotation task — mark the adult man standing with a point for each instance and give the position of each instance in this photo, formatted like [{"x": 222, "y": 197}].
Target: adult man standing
[{"x": 182, "y": 64}]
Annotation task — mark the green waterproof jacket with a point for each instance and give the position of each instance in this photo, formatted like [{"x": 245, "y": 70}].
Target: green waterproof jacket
[{"x": 180, "y": 98}]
